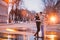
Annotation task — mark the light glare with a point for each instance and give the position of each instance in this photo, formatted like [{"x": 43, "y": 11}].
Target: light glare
[
  {"x": 11, "y": 30},
  {"x": 53, "y": 19}
]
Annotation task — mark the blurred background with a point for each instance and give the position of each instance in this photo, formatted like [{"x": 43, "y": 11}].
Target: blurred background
[{"x": 17, "y": 19}]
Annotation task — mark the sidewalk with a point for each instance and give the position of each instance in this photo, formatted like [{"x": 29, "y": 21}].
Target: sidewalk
[{"x": 4, "y": 24}]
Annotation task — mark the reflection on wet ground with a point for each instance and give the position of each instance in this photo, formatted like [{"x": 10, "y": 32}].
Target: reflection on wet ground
[
  {"x": 51, "y": 36},
  {"x": 48, "y": 37}
]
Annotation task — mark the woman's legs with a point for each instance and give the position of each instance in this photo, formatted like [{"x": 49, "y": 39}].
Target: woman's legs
[{"x": 38, "y": 28}]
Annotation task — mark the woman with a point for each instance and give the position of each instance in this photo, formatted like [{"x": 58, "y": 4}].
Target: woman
[{"x": 37, "y": 18}]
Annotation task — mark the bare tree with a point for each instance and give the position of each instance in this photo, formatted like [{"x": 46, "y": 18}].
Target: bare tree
[
  {"x": 50, "y": 5},
  {"x": 16, "y": 12}
]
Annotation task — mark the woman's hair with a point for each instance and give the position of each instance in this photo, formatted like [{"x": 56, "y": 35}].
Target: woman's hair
[{"x": 36, "y": 13}]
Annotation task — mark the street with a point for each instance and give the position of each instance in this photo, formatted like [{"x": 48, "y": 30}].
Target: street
[{"x": 51, "y": 32}]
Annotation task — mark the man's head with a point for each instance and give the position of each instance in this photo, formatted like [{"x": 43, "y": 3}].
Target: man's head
[{"x": 40, "y": 12}]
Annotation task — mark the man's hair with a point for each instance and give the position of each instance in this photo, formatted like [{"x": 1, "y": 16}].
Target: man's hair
[{"x": 40, "y": 12}]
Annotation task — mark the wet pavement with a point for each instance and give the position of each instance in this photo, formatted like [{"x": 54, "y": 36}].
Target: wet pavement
[
  {"x": 52, "y": 36},
  {"x": 51, "y": 33}
]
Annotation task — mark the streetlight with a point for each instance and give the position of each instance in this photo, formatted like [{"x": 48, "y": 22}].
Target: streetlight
[{"x": 53, "y": 19}]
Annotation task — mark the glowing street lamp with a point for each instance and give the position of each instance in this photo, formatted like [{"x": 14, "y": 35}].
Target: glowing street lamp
[{"x": 53, "y": 19}]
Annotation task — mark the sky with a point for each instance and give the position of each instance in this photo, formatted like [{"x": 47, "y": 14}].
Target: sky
[{"x": 33, "y": 5}]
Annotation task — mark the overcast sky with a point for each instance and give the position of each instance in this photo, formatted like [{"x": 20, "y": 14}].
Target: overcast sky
[{"x": 34, "y": 5}]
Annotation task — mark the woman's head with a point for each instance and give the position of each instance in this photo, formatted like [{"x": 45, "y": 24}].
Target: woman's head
[{"x": 37, "y": 14}]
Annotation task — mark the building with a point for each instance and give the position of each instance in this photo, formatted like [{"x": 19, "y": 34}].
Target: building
[{"x": 3, "y": 13}]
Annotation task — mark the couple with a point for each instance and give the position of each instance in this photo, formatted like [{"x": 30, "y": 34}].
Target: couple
[{"x": 38, "y": 23}]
